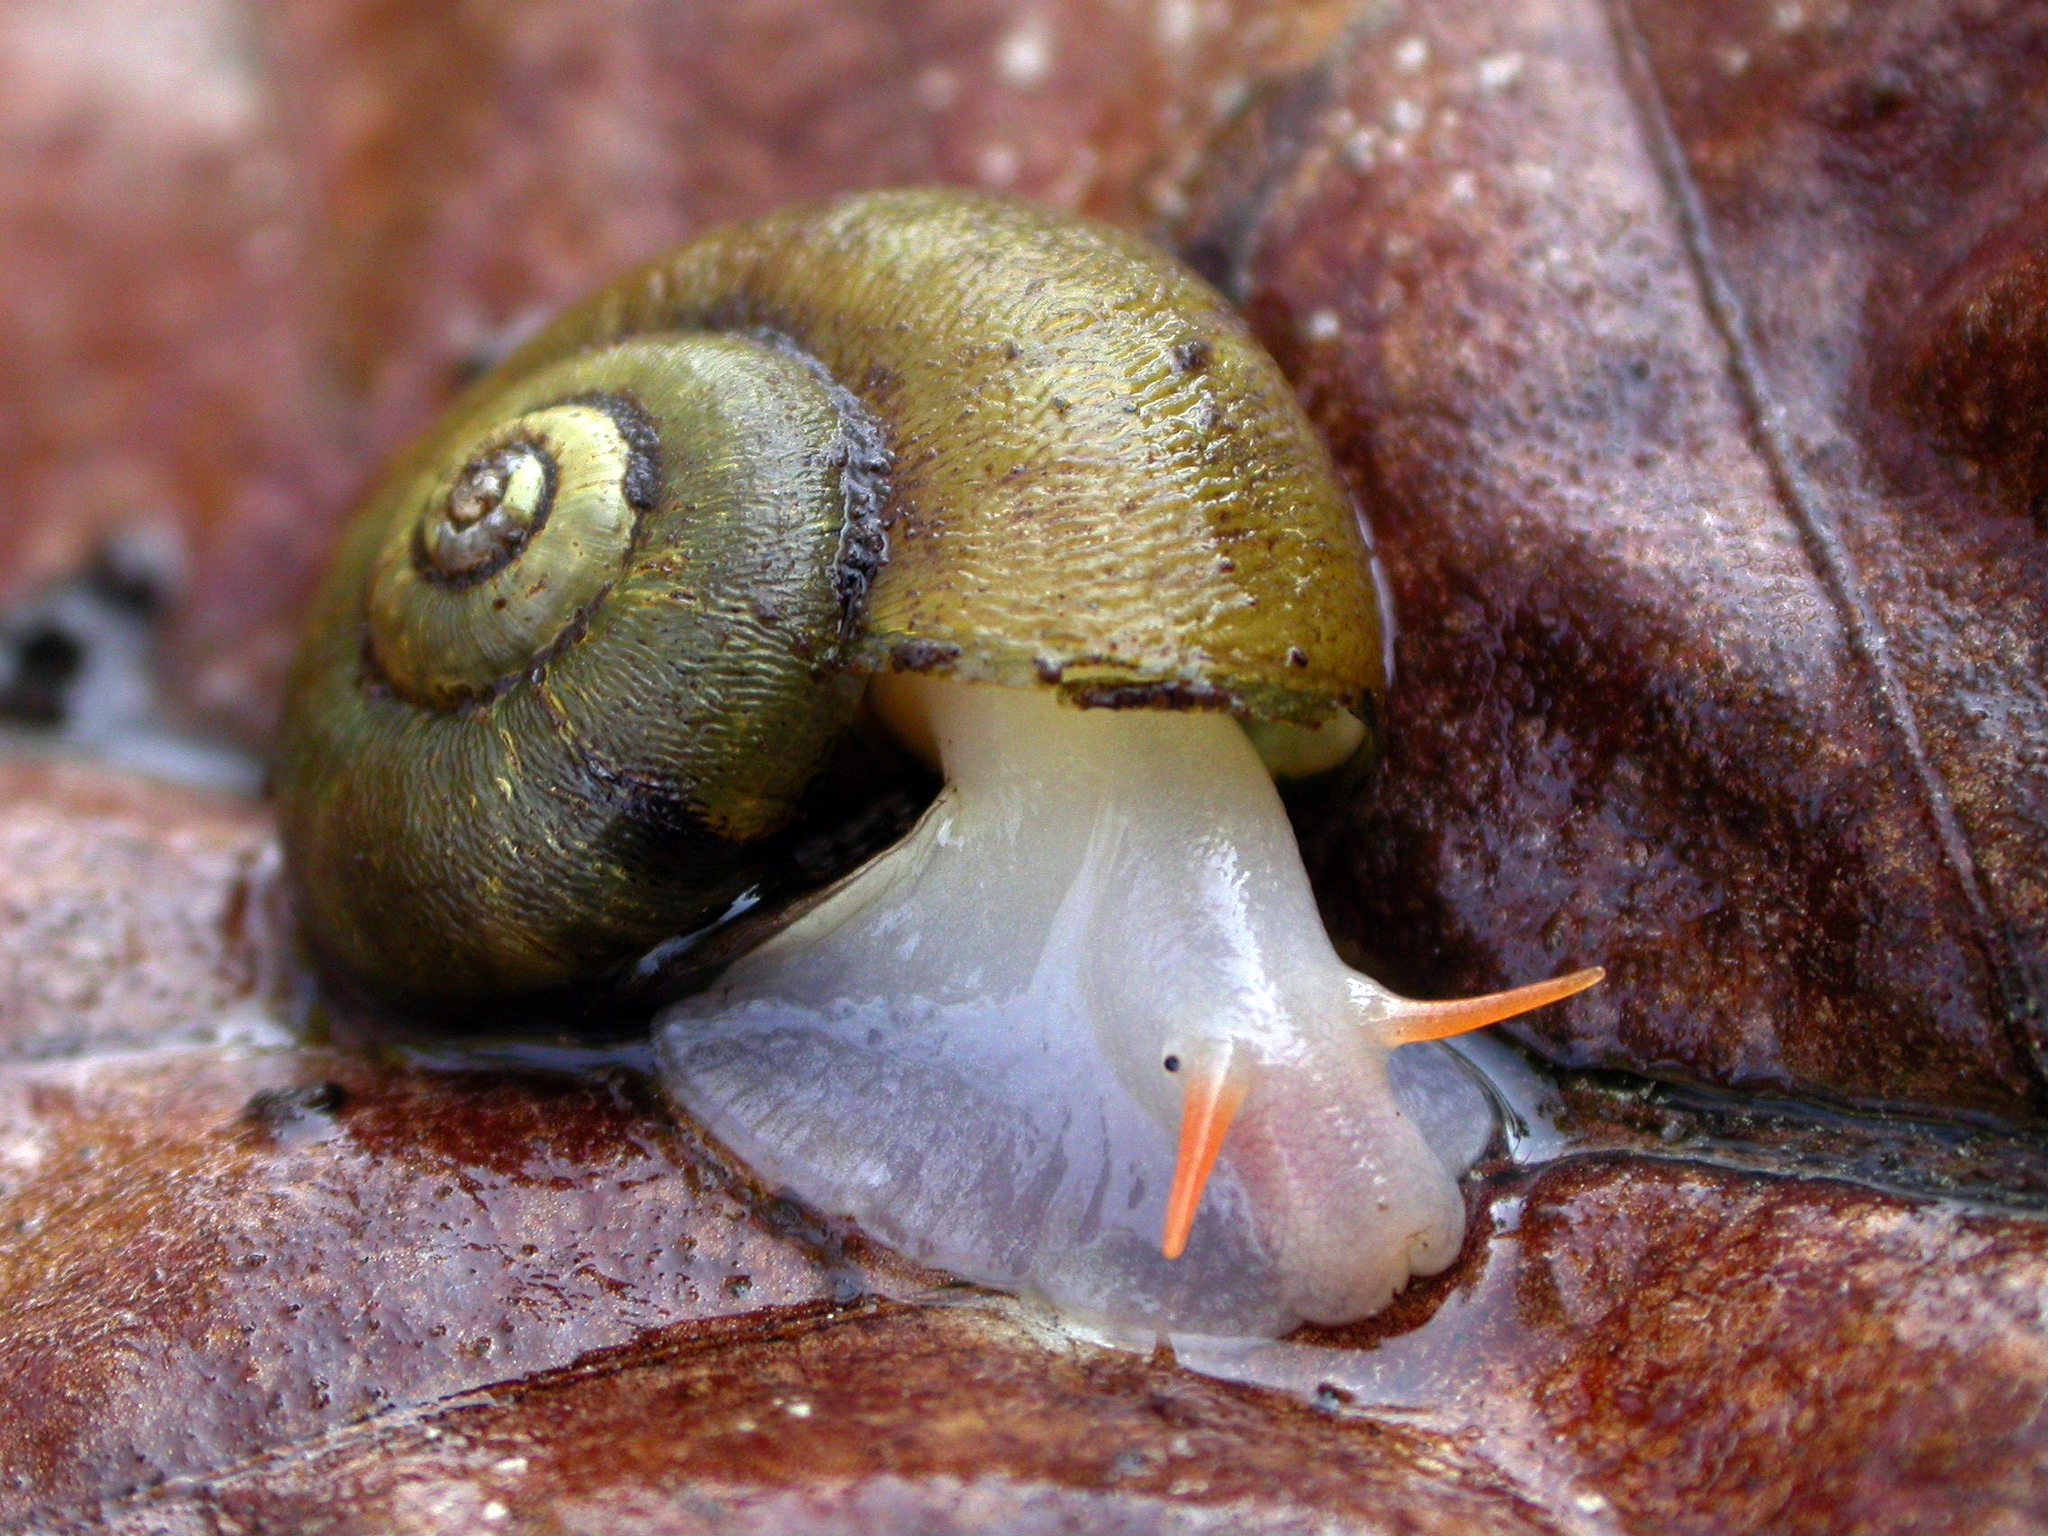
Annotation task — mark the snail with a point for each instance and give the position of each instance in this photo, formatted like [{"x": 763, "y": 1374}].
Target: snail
[{"x": 1024, "y": 493}]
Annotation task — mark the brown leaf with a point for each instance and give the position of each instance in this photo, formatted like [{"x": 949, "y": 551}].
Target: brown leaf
[
  {"x": 264, "y": 1287},
  {"x": 1686, "y": 357},
  {"x": 1708, "y": 670}
]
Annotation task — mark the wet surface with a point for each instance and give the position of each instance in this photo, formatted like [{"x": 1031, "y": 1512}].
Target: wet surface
[
  {"x": 1684, "y": 356},
  {"x": 1640, "y": 1338},
  {"x": 130, "y": 912},
  {"x": 390, "y": 1283},
  {"x": 214, "y": 1253},
  {"x": 1547, "y": 1114},
  {"x": 1679, "y": 353},
  {"x": 860, "y": 1420},
  {"x": 1706, "y": 669}
]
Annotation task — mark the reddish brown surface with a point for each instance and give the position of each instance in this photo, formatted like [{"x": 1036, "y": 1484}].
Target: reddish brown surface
[
  {"x": 1637, "y": 1341},
  {"x": 1708, "y": 670},
  {"x": 225, "y": 1253},
  {"x": 867, "y": 1420},
  {"x": 1712, "y": 1352},
  {"x": 1685, "y": 356},
  {"x": 159, "y": 307},
  {"x": 246, "y": 248},
  {"x": 256, "y": 1286},
  {"x": 1688, "y": 357},
  {"x": 128, "y": 913}
]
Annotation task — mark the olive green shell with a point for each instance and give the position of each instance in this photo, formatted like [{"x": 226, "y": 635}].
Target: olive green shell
[
  {"x": 914, "y": 430},
  {"x": 1100, "y": 478}
]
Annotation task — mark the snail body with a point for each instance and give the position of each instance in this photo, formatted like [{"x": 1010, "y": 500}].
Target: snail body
[
  {"x": 996, "y": 1086},
  {"x": 1027, "y": 491}
]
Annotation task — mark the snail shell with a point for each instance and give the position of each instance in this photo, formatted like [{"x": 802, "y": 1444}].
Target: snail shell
[
  {"x": 963, "y": 465},
  {"x": 517, "y": 754}
]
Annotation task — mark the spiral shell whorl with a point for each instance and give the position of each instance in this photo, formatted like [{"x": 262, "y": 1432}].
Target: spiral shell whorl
[
  {"x": 509, "y": 547},
  {"x": 514, "y": 779}
]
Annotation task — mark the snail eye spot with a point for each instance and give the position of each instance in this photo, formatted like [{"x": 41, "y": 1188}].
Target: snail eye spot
[{"x": 1172, "y": 1063}]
